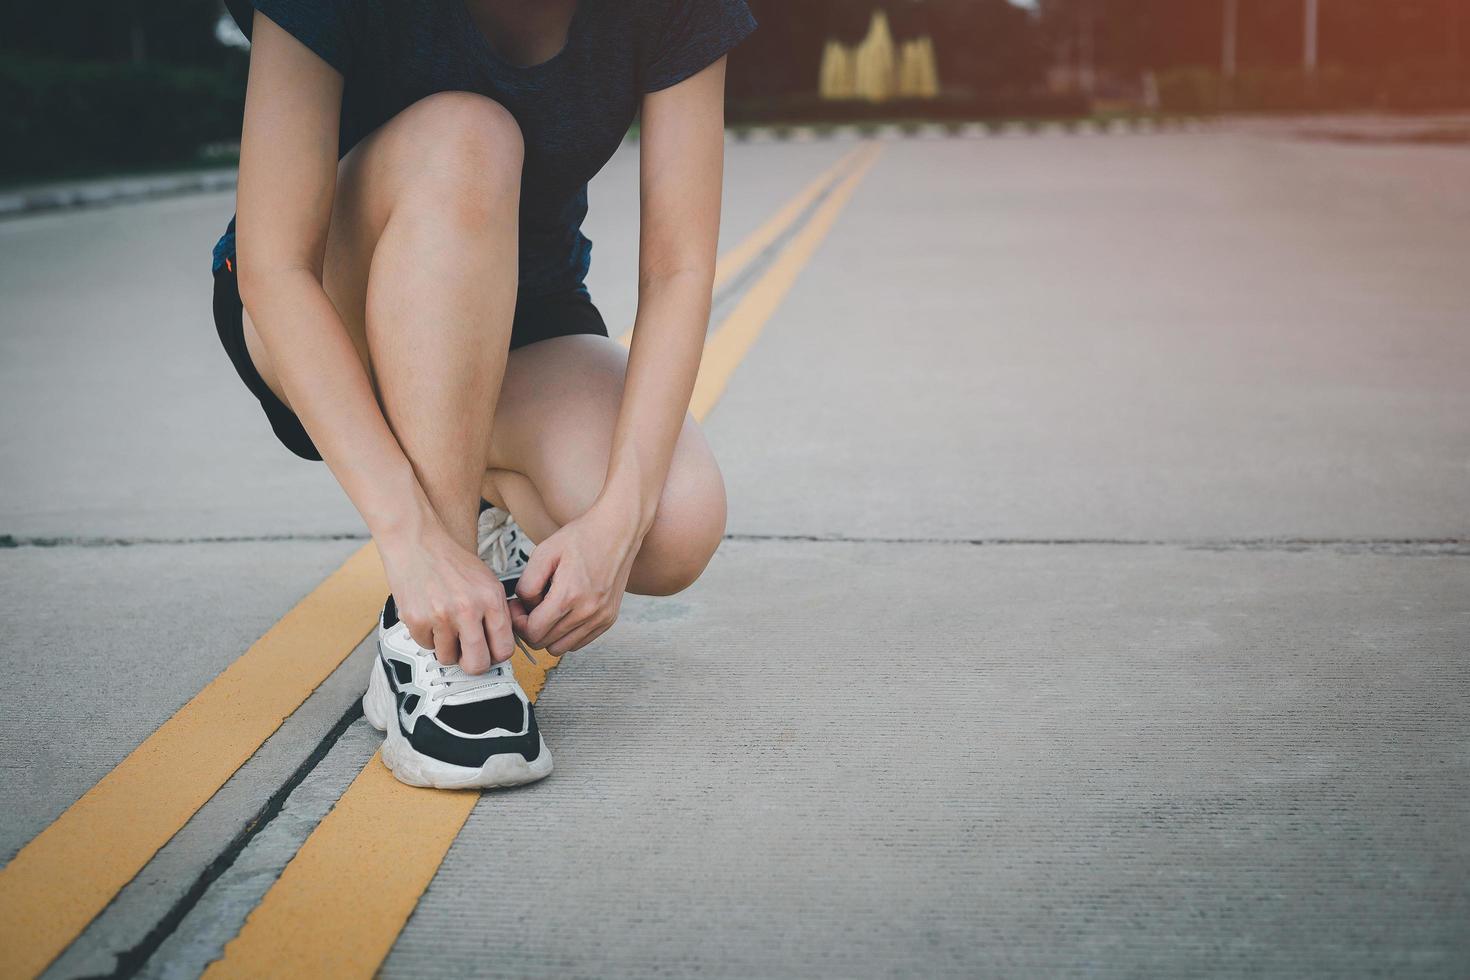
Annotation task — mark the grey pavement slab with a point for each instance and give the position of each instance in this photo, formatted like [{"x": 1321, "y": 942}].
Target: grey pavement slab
[
  {"x": 1031, "y": 760},
  {"x": 1178, "y": 337},
  {"x": 123, "y": 418},
  {"x": 111, "y": 641}
]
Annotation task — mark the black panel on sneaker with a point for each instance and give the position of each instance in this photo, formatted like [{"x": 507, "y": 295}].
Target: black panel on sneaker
[
  {"x": 479, "y": 717},
  {"x": 433, "y": 741}
]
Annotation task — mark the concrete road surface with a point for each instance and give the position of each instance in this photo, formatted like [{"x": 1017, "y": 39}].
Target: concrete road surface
[{"x": 1097, "y": 597}]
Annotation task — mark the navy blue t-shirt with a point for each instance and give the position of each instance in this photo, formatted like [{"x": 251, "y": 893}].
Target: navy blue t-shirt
[{"x": 573, "y": 109}]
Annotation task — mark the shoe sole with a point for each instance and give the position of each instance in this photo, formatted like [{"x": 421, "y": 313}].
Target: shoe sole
[{"x": 416, "y": 769}]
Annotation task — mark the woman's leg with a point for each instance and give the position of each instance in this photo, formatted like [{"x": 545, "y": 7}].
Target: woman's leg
[
  {"x": 421, "y": 265},
  {"x": 549, "y": 453}
]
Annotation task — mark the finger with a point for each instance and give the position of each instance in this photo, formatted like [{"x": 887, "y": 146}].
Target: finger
[
  {"x": 546, "y": 621},
  {"x": 423, "y": 636},
  {"x": 518, "y": 611},
  {"x": 545, "y": 637},
  {"x": 572, "y": 624},
  {"x": 474, "y": 652},
  {"x": 536, "y": 579},
  {"x": 519, "y": 618},
  {"x": 446, "y": 646},
  {"x": 502, "y": 640},
  {"x": 576, "y": 639}
]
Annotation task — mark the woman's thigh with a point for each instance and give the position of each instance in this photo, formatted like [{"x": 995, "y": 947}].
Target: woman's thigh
[
  {"x": 554, "y": 426},
  {"x": 377, "y": 175}
]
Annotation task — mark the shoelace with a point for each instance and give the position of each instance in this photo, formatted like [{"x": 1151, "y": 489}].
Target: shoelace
[
  {"x": 499, "y": 537},
  {"x": 444, "y": 681}
]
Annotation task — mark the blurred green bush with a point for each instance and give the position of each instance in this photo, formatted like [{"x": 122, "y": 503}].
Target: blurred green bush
[{"x": 66, "y": 117}]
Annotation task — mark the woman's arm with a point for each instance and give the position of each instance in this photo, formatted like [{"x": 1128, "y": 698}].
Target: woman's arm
[
  {"x": 288, "y": 170},
  {"x": 682, "y": 145}
]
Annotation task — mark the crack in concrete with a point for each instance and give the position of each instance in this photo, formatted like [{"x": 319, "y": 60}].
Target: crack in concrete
[
  {"x": 1453, "y": 546},
  {"x": 130, "y": 961},
  {"x": 10, "y": 541}
]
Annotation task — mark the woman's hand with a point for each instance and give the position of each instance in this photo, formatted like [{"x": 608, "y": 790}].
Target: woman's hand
[
  {"x": 450, "y": 601},
  {"x": 573, "y": 585}
]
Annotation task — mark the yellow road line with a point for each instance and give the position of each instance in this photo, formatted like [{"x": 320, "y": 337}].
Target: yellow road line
[
  {"x": 733, "y": 262},
  {"x": 71, "y": 870},
  {"x": 338, "y": 907}
]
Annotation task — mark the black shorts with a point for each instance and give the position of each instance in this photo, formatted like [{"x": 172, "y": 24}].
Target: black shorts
[{"x": 536, "y": 318}]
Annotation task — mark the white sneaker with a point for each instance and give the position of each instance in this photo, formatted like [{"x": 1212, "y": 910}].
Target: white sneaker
[
  {"x": 503, "y": 545},
  {"x": 446, "y": 728}
]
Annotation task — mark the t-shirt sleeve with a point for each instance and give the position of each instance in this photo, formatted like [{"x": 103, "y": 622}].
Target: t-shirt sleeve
[
  {"x": 321, "y": 25},
  {"x": 690, "y": 36}
]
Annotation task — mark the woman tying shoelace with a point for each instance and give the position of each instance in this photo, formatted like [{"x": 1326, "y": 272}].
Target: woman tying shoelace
[{"x": 402, "y": 289}]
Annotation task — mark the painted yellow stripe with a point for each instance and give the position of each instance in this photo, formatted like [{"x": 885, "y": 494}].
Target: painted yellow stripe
[
  {"x": 67, "y": 874},
  {"x": 338, "y": 907},
  {"x": 729, "y": 344},
  {"x": 733, "y": 262},
  {"x": 71, "y": 870}
]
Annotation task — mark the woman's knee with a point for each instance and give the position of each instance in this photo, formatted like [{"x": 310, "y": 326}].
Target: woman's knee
[
  {"x": 462, "y": 153},
  {"x": 687, "y": 530}
]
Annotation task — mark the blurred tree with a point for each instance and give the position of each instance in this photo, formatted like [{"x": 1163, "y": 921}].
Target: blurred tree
[{"x": 176, "y": 32}]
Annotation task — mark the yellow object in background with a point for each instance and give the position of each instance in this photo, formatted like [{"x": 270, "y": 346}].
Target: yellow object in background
[
  {"x": 875, "y": 70},
  {"x": 918, "y": 73},
  {"x": 839, "y": 72}
]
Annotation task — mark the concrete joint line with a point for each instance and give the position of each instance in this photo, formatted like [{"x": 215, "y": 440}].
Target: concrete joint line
[
  {"x": 1427, "y": 546},
  {"x": 10, "y": 541},
  {"x": 1409, "y": 547}
]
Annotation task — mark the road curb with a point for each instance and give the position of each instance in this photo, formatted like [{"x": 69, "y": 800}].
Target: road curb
[
  {"x": 120, "y": 190},
  {"x": 892, "y": 132}
]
